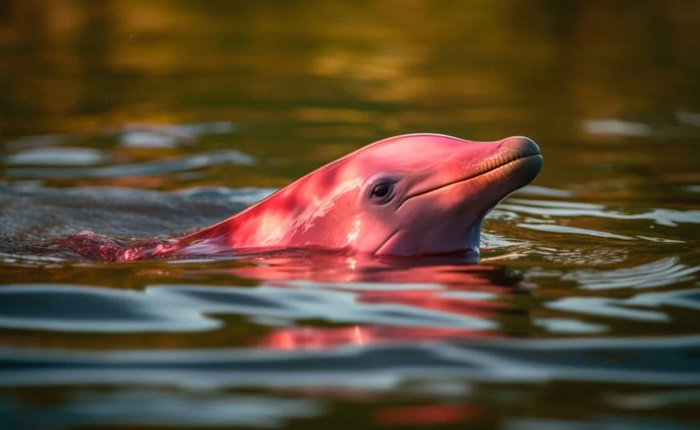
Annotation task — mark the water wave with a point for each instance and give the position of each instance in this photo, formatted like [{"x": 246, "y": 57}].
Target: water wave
[{"x": 648, "y": 361}]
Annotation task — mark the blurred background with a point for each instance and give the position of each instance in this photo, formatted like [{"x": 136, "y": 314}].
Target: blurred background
[{"x": 306, "y": 82}]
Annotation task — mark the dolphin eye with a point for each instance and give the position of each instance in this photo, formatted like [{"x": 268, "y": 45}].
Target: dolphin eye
[{"x": 382, "y": 192}]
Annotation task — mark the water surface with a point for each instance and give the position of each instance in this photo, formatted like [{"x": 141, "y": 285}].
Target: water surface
[{"x": 139, "y": 120}]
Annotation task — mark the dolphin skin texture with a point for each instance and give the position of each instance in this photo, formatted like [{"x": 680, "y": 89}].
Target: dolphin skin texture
[{"x": 409, "y": 195}]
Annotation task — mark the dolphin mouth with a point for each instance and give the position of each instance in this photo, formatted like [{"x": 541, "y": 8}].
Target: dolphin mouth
[
  {"x": 515, "y": 151},
  {"x": 515, "y": 163}
]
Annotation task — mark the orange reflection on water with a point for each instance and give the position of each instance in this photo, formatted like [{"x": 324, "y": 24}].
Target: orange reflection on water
[
  {"x": 428, "y": 299},
  {"x": 425, "y": 414},
  {"x": 317, "y": 338},
  {"x": 473, "y": 295}
]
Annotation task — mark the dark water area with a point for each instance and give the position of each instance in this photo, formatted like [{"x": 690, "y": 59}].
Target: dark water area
[{"x": 144, "y": 119}]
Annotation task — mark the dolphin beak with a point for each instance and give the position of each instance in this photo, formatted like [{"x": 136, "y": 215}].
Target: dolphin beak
[
  {"x": 520, "y": 146},
  {"x": 444, "y": 213},
  {"x": 521, "y": 155}
]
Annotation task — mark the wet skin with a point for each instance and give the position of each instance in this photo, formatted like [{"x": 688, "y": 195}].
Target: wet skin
[{"x": 418, "y": 194}]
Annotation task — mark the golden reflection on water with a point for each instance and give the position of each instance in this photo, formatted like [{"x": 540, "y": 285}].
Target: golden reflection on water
[{"x": 91, "y": 64}]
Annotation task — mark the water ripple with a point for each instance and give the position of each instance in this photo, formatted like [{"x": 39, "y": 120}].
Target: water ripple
[
  {"x": 167, "y": 135},
  {"x": 199, "y": 161},
  {"x": 328, "y": 305},
  {"x": 666, "y": 271},
  {"x": 606, "y": 307},
  {"x": 573, "y": 230},
  {"x": 665, "y": 217},
  {"x": 183, "y": 307},
  {"x": 629, "y": 308},
  {"x": 90, "y": 309},
  {"x": 139, "y": 135},
  {"x": 150, "y": 407},
  {"x": 57, "y": 156},
  {"x": 618, "y": 423},
  {"x": 650, "y": 361},
  {"x": 616, "y": 127}
]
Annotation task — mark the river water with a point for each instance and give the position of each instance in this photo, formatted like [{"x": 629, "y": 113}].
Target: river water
[{"x": 140, "y": 119}]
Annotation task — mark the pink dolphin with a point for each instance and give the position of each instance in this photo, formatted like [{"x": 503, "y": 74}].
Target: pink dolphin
[{"x": 407, "y": 195}]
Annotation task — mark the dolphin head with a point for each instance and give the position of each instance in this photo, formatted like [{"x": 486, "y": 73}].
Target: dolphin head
[{"x": 408, "y": 195}]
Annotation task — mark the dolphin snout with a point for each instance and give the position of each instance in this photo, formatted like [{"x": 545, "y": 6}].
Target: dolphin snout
[{"x": 520, "y": 146}]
